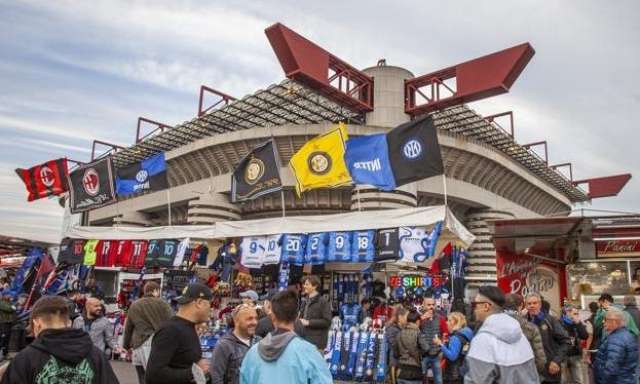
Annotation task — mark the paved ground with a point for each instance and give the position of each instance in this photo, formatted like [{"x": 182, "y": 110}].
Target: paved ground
[{"x": 125, "y": 372}]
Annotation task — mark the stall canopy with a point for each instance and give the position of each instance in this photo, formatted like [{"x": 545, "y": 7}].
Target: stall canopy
[
  {"x": 453, "y": 230},
  {"x": 549, "y": 238}
]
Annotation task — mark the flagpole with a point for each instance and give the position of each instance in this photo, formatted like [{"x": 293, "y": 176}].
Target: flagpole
[
  {"x": 444, "y": 185},
  {"x": 282, "y": 202},
  {"x": 169, "y": 205}
]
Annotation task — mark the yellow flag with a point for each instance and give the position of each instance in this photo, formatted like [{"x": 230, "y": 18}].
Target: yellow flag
[{"x": 320, "y": 162}]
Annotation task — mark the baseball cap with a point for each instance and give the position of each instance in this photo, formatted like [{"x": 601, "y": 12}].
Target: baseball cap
[
  {"x": 493, "y": 293},
  {"x": 250, "y": 294},
  {"x": 193, "y": 292}
]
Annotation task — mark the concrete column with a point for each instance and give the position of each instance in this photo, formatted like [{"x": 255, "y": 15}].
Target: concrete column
[
  {"x": 211, "y": 208},
  {"x": 373, "y": 199},
  {"x": 482, "y": 253},
  {"x": 388, "y": 95},
  {"x": 132, "y": 219}
]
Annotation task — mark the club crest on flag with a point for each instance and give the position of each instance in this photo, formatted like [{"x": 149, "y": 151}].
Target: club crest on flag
[
  {"x": 319, "y": 163},
  {"x": 91, "y": 182},
  {"x": 254, "y": 171},
  {"x": 46, "y": 179},
  {"x": 412, "y": 149}
]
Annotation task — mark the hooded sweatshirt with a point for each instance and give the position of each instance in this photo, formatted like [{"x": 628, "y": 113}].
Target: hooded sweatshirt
[
  {"x": 60, "y": 356},
  {"x": 283, "y": 357},
  {"x": 500, "y": 353}
]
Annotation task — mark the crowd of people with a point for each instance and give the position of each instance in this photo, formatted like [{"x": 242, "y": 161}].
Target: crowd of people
[{"x": 502, "y": 339}]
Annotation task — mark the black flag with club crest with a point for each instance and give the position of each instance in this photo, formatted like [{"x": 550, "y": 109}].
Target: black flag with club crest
[
  {"x": 257, "y": 174},
  {"x": 91, "y": 186}
]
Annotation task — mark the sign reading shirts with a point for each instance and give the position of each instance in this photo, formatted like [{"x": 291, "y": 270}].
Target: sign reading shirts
[
  {"x": 91, "y": 186},
  {"x": 414, "y": 151},
  {"x": 257, "y": 174},
  {"x": 45, "y": 179},
  {"x": 148, "y": 175},
  {"x": 320, "y": 162},
  {"x": 368, "y": 160}
]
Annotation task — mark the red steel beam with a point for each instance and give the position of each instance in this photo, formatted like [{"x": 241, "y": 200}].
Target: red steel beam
[
  {"x": 538, "y": 143},
  {"x": 492, "y": 119},
  {"x": 564, "y": 165},
  {"x": 112, "y": 148},
  {"x": 158, "y": 126},
  {"x": 607, "y": 186},
  {"x": 477, "y": 79},
  {"x": 306, "y": 62},
  {"x": 224, "y": 98}
]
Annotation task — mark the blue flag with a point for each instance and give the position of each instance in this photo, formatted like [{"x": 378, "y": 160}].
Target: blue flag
[
  {"x": 148, "y": 175},
  {"x": 367, "y": 158}
]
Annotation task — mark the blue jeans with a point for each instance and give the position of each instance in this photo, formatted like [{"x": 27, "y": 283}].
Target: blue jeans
[
  {"x": 401, "y": 381},
  {"x": 434, "y": 364}
]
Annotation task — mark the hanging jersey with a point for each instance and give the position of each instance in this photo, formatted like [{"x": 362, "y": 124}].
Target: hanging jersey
[
  {"x": 168, "y": 252},
  {"x": 272, "y": 250},
  {"x": 71, "y": 251},
  {"x": 153, "y": 253},
  {"x": 316, "y": 248},
  {"x": 123, "y": 252},
  {"x": 90, "y": 252},
  {"x": 137, "y": 254},
  {"x": 293, "y": 248},
  {"x": 183, "y": 246},
  {"x": 339, "y": 249},
  {"x": 388, "y": 245},
  {"x": 252, "y": 251},
  {"x": 412, "y": 249},
  {"x": 363, "y": 246},
  {"x": 432, "y": 239},
  {"x": 106, "y": 252}
]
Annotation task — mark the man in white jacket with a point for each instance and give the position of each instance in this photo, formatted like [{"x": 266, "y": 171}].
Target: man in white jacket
[{"x": 499, "y": 352}]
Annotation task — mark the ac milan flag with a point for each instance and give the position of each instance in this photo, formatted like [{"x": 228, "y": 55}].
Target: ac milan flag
[
  {"x": 45, "y": 179},
  {"x": 91, "y": 186},
  {"x": 414, "y": 151}
]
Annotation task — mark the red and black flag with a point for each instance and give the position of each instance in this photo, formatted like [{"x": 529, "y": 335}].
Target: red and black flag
[{"x": 45, "y": 179}]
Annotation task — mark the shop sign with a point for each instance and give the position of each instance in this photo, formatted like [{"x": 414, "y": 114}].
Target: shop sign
[
  {"x": 513, "y": 271},
  {"x": 618, "y": 248},
  {"x": 409, "y": 281}
]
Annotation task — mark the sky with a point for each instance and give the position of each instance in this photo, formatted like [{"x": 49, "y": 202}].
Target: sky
[{"x": 71, "y": 72}]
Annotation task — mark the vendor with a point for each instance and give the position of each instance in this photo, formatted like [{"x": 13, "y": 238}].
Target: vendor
[{"x": 316, "y": 313}]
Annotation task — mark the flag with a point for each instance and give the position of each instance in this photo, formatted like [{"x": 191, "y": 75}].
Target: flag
[
  {"x": 46, "y": 179},
  {"x": 320, "y": 162},
  {"x": 257, "y": 174},
  {"x": 148, "y": 175},
  {"x": 414, "y": 151},
  {"x": 91, "y": 186},
  {"x": 367, "y": 158}
]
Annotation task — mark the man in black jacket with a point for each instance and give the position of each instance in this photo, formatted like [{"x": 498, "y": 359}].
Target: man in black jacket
[
  {"x": 577, "y": 332},
  {"x": 176, "y": 356},
  {"x": 316, "y": 314},
  {"x": 231, "y": 348},
  {"x": 555, "y": 339},
  {"x": 59, "y": 354}
]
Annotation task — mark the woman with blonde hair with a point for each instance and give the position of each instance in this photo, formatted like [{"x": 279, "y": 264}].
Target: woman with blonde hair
[{"x": 456, "y": 349}]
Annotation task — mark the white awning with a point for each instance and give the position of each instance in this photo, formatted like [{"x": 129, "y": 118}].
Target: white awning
[{"x": 419, "y": 217}]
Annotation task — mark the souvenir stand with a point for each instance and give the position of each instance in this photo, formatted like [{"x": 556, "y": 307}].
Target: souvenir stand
[{"x": 273, "y": 252}]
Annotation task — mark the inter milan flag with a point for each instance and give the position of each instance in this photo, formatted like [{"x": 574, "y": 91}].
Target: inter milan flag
[
  {"x": 45, "y": 179},
  {"x": 320, "y": 162},
  {"x": 414, "y": 151},
  {"x": 257, "y": 174},
  {"x": 148, "y": 175},
  {"x": 368, "y": 160},
  {"x": 91, "y": 186}
]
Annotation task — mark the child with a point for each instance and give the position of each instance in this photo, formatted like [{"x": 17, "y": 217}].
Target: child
[{"x": 456, "y": 349}]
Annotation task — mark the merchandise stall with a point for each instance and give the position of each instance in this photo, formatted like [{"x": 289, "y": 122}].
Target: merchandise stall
[{"x": 366, "y": 261}]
